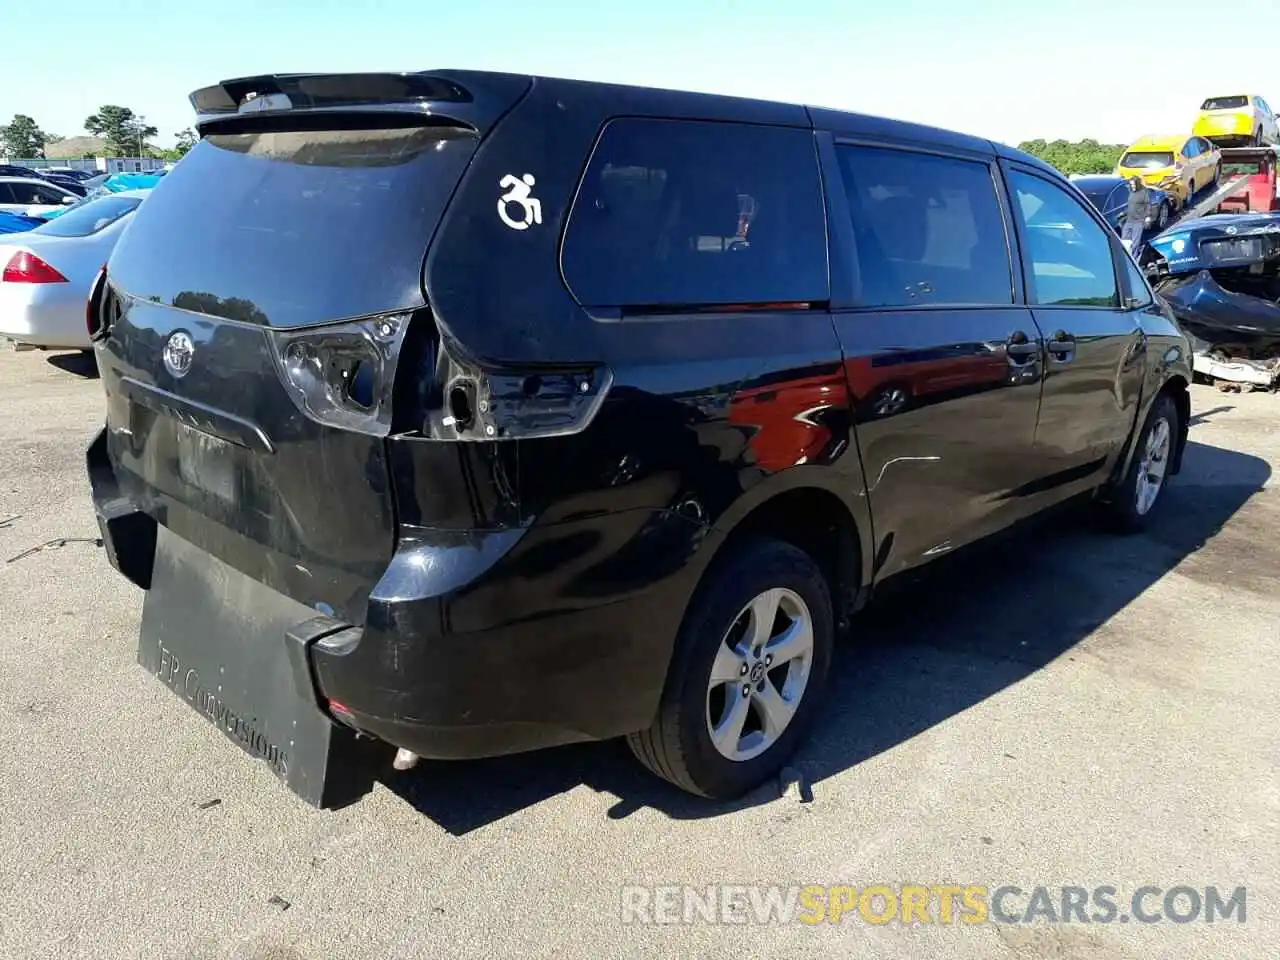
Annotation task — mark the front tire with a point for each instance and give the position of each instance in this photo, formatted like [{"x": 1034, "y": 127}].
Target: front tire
[
  {"x": 1135, "y": 499},
  {"x": 1162, "y": 216},
  {"x": 748, "y": 672}
]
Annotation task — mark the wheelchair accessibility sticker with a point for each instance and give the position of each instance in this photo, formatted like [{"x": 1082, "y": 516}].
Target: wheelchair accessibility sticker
[{"x": 519, "y": 194}]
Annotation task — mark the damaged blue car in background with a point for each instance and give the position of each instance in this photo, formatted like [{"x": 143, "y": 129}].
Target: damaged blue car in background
[{"x": 1220, "y": 274}]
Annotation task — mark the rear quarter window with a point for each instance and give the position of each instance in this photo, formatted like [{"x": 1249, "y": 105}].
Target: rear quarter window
[{"x": 677, "y": 213}]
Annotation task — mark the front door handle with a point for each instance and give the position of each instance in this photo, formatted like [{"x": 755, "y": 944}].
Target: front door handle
[{"x": 1061, "y": 347}]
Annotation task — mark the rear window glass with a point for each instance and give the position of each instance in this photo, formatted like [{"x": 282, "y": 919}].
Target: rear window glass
[
  {"x": 83, "y": 221},
  {"x": 1146, "y": 159},
  {"x": 1225, "y": 103},
  {"x": 1238, "y": 167},
  {"x": 294, "y": 228},
  {"x": 928, "y": 229},
  {"x": 675, "y": 213}
]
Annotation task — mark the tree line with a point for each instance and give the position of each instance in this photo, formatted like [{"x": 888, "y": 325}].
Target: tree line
[
  {"x": 1080, "y": 156},
  {"x": 124, "y": 132}
]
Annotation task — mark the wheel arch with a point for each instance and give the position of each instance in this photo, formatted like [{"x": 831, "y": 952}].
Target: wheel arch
[
  {"x": 1175, "y": 386},
  {"x": 807, "y": 509},
  {"x": 1178, "y": 389}
]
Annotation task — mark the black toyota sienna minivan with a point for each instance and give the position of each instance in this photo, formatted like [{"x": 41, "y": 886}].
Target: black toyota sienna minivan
[{"x": 454, "y": 414}]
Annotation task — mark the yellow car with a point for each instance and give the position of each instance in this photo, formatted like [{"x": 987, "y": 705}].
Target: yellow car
[
  {"x": 1241, "y": 120},
  {"x": 1181, "y": 165}
]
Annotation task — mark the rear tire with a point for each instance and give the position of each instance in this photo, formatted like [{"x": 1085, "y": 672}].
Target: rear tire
[
  {"x": 1131, "y": 503},
  {"x": 720, "y": 652}
]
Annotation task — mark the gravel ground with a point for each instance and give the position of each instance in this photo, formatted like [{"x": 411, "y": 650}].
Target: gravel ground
[{"x": 1074, "y": 709}]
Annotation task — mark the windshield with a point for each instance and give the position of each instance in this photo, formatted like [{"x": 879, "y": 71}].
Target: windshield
[
  {"x": 87, "y": 219},
  {"x": 1225, "y": 103},
  {"x": 1147, "y": 160},
  {"x": 290, "y": 228}
]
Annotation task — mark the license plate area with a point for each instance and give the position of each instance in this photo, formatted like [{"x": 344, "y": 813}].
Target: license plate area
[
  {"x": 233, "y": 650},
  {"x": 205, "y": 462}
]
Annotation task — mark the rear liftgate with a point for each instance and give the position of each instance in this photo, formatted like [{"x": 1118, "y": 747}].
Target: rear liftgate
[{"x": 228, "y": 617}]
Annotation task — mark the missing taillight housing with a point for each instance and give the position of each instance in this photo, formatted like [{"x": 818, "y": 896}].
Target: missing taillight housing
[
  {"x": 95, "y": 317},
  {"x": 342, "y": 375},
  {"x": 511, "y": 403}
]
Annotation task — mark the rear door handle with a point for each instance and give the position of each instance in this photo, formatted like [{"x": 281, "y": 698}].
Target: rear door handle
[{"x": 1018, "y": 345}]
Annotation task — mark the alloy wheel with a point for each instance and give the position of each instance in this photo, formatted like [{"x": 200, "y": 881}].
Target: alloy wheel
[
  {"x": 760, "y": 674},
  {"x": 1151, "y": 468}
]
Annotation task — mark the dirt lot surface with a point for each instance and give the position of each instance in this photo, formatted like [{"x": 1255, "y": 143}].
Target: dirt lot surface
[{"x": 1075, "y": 709}]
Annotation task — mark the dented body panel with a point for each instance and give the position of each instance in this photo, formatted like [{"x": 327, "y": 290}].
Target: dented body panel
[{"x": 1221, "y": 277}]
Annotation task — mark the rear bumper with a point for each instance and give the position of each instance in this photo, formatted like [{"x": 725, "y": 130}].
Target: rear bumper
[
  {"x": 564, "y": 677},
  {"x": 1176, "y": 187},
  {"x": 481, "y": 643},
  {"x": 128, "y": 534},
  {"x": 1225, "y": 126}
]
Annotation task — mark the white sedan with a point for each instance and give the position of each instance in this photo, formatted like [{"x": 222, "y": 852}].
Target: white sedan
[
  {"x": 32, "y": 198},
  {"x": 46, "y": 273}
]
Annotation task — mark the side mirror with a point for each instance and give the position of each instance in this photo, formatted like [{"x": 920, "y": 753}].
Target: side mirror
[{"x": 67, "y": 201}]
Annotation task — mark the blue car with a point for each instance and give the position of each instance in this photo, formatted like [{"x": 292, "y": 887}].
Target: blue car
[
  {"x": 112, "y": 184},
  {"x": 1111, "y": 196},
  {"x": 1223, "y": 241},
  {"x": 1220, "y": 275}
]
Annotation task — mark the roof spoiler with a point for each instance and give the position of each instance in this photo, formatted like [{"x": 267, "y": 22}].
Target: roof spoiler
[{"x": 470, "y": 96}]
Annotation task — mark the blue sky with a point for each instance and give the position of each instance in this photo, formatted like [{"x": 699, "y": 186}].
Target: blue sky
[{"x": 1004, "y": 69}]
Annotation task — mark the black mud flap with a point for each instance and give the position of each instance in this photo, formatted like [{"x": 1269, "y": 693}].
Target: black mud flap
[{"x": 235, "y": 651}]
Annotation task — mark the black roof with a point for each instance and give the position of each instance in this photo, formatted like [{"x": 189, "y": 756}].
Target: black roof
[{"x": 469, "y": 90}]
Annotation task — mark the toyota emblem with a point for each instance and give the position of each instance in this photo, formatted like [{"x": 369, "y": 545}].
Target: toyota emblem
[{"x": 178, "y": 352}]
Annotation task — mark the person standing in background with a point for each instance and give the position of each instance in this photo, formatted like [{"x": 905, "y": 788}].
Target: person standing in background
[{"x": 1135, "y": 214}]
